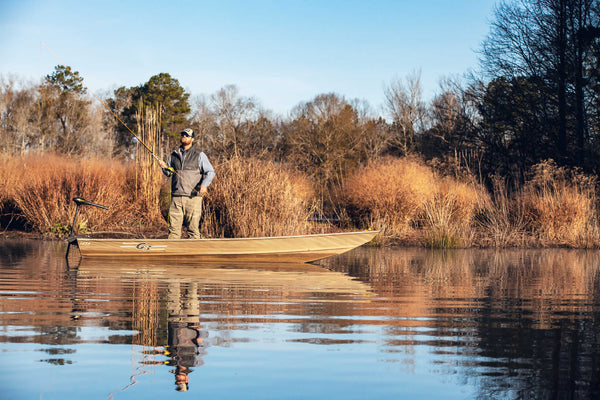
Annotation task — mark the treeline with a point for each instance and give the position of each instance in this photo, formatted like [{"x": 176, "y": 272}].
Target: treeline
[{"x": 537, "y": 97}]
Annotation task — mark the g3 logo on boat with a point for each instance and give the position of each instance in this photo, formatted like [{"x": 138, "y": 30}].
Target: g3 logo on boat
[{"x": 143, "y": 246}]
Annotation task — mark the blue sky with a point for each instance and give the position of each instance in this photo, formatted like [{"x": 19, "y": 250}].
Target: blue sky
[{"x": 282, "y": 52}]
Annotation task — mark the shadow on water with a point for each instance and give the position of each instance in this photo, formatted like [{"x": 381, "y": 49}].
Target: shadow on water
[{"x": 510, "y": 324}]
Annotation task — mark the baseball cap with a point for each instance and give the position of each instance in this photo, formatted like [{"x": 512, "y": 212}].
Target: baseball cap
[{"x": 188, "y": 132}]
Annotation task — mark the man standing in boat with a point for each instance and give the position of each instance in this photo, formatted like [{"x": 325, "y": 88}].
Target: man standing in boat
[{"x": 191, "y": 173}]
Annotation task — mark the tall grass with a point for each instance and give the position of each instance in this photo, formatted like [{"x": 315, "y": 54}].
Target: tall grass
[
  {"x": 449, "y": 215},
  {"x": 554, "y": 207},
  {"x": 560, "y": 207},
  {"x": 147, "y": 179},
  {"x": 248, "y": 198},
  {"x": 503, "y": 222},
  {"x": 5, "y": 182},
  {"x": 251, "y": 198},
  {"x": 405, "y": 198},
  {"x": 41, "y": 189},
  {"x": 42, "y": 186},
  {"x": 388, "y": 195}
]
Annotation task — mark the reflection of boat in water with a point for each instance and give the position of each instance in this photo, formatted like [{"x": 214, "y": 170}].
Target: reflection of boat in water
[
  {"x": 290, "y": 276},
  {"x": 196, "y": 294},
  {"x": 301, "y": 248}
]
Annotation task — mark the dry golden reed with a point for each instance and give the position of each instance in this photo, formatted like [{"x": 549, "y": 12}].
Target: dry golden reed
[
  {"x": 404, "y": 198},
  {"x": 5, "y": 186},
  {"x": 560, "y": 207},
  {"x": 42, "y": 187},
  {"x": 148, "y": 181},
  {"x": 449, "y": 216},
  {"x": 248, "y": 198},
  {"x": 252, "y": 198},
  {"x": 502, "y": 223},
  {"x": 388, "y": 195},
  {"x": 554, "y": 207}
]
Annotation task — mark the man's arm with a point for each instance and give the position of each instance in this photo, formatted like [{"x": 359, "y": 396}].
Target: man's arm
[{"x": 207, "y": 170}]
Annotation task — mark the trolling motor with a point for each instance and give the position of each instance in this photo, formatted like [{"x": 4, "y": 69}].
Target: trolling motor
[
  {"x": 72, "y": 239},
  {"x": 80, "y": 201}
]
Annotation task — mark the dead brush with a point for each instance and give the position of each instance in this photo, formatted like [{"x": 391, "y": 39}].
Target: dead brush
[
  {"x": 5, "y": 187},
  {"x": 388, "y": 195},
  {"x": 560, "y": 207},
  {"x": 252, "y": 198},
  {"x": 448, "y": 217},
  {"x": 502, "y": 222},
  {"x": 43, "y": 187},
  {"x": 405, "y": 200},
  {"x": 148, "y": 179}
]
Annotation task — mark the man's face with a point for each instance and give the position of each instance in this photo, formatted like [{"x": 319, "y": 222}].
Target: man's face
[{"x": 186, "y": 139}]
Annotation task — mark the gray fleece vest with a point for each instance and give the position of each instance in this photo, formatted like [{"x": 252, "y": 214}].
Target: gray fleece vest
[{"x": 189, "y": 176}]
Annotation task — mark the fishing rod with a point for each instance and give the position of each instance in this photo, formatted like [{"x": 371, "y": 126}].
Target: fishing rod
[{"x": 159, "y": 160}]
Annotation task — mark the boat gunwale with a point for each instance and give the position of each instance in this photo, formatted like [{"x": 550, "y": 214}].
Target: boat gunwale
[{"x": 314, "y": 235}]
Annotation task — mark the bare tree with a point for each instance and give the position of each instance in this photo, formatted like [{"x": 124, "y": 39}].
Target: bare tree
[
  {"x": 404, "y": 103},
  {"x": 203, "y": 122},
  {"x": 231, "y": 125},
  {"x": 324, "y": 139},
  {"x": 55, "y": 115},
  {"x": 231, "y": 112},
  {"x": 16, "y": 100},
  {"x": 555, "y": 43},
  {"x": 453, "y": 135},
  {"x": 375, "y": 132},
  {"x": 65, "y": 103}
]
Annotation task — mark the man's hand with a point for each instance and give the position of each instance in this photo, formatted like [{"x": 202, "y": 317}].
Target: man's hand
[
  {"x": 203, "y": 190},
  {"x": 168, "y": 171}
]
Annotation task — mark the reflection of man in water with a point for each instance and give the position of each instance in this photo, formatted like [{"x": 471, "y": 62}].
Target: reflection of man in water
[{"x": 186, "y": 337}]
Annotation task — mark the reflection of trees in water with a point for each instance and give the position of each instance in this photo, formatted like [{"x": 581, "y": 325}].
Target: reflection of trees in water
[
  {"x": 57, "y": 356},
  {"x": 558, "y": 362},
  {"x": 13, "y": 251},
  {"x": 145, "y": 315},
  {"x": 524, "y": 323},
  {"x": 543, "y": 283},
  {"x": 520, "y": 324},
  {"x": 45, "y": 305},
  {"x": 123, "y": 297}
]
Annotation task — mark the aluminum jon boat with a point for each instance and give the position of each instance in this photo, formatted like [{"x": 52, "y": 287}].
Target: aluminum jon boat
[
  {"x": 302, "y": 248},
  {"x": 299, "y": 249}
]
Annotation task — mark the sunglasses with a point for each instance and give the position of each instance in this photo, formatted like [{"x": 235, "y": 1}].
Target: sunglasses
[{"x": 185, "y": 134}]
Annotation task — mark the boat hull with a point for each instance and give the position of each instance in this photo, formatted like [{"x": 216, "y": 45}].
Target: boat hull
[{"x": 302, "y": 248}]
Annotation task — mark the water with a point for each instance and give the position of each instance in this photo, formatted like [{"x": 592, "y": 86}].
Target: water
[{"x": 374, "y": 323}]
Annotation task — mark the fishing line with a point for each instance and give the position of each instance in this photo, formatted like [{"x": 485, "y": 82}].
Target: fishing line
[{"x": 80, "y": 79}]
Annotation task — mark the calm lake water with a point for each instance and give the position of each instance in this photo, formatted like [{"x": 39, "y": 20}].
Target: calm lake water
[{"x": 371, "y": 324}]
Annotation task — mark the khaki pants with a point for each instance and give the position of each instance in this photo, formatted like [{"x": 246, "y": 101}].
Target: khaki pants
[{"x": 185, "y": 211}]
